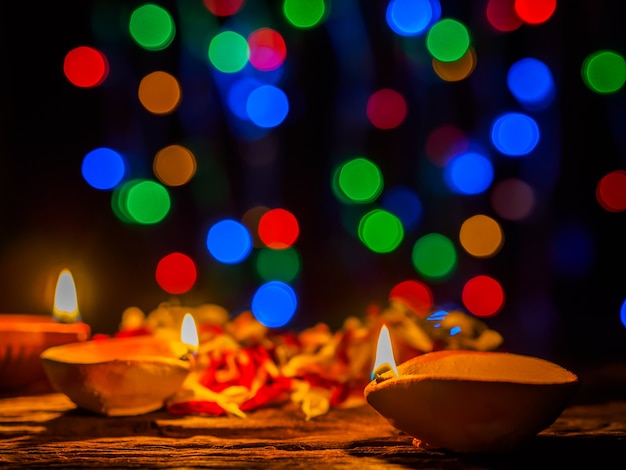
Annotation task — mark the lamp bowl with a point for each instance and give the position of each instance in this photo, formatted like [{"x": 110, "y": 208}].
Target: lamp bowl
[
  {"x": 472, "y": 401},
  {"x": 118, "y": 376},
  {"x": 23, "y": 338}
]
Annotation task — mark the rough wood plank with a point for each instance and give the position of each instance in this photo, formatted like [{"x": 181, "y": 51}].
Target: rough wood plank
[{"x": 48, "y": 431}]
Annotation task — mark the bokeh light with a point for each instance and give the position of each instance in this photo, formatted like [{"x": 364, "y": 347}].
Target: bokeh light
[
  {"x": 229, "y": 241},
  {"x": 278, "y": 265},
  {"x": 176, "y": 273},
  {"x": 444, "y": 142},
  {"x": 434, "y": 256},
  {"x": 359, "y": 181},
  {"x": 274, "y": 304},
  {"x": 152, "y": 27},
  {"x": 531, "y": 82},
  {"x": 535, "y": 11},
  {"x": 386, "y": 109},
  {"x": 412, "y": 17},
  {"x": 414, "y": 294},
  {"x": 405, "y": 204},
  {"x": 223, "y": 7},
  {"x": 448, "y": 40},
  {"x": 604, "y": 71},
  {"x": 483, "y": 296},
  {"x": 267, "y": 106},
  {"x": 174, "y": 165},
  {"x": 611, "y": 191},
  {"x": 159, "y": 92},
  {"x": 103, "y": 168},
  {"x": 278, "y": 228},
  {"x": 469, "y": 173},
  {"x": 229, "y": 51},
  {"x": 502, "y": 16},
  {"x": 381, "y": 231},
  {"x": 86, "y": 67},
  {"x": 622, "y": 313},
  {"x": 147, "y": 202},
  {"x": 512, "y": 199},
  {"x": 515, "y": 134},
  {"x": 481, "y": 236},
  {"x": 304, "y": 13},
  {"x": 267, "y": 49},
  {"x": 456, "y": 70}
]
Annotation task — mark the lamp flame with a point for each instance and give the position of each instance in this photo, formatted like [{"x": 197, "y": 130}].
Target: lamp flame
[
  {"x": 384, "y": 354},
  {"x": 65, "y": 300},
  {"x": 189, "y": 333}
]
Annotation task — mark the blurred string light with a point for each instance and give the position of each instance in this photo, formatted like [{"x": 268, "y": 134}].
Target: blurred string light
[
  {"x": 515, "y": 134},
  {"x": 444, "y": 142},
  {"x": 531, "y": 83},
  {"x": 448, "y": 40},
  {"x": 267, "y": 49},
  {"x": 278, "y": 265},
  {"x": 174, "y": 165},
  {"x": 176, "y": 273},
  {"x": 267, "y": 106},
  {"x": 622, "y": 313},
  {"x": 229, "y": 51},
  {"x": 274, "y": 304},
  {"x": 604, "y": 71},
  {"x": 223, "y": 7},
  {"x": 229, "y": 241},
  {"x": 251, "y": 219},
  {"x": 415, "y": 294},
  {"x": 141, "y": 201},
  {"x": 103, "y": 168},
  {"x": 278, "y": 228},
  {"x": 357, "y": 181},
  {"x": 502, "y": 16},
  {"x": 405, "y": 204},
  {"x": 512, "y": 199},
  {"x": 152, "y": 27},
  {"x": 304, "y": 14},
  {"x": 483, "y": 296},
  {"x": 159, "y": 92},
  {"x": 469, "y": 173},
  {"x": 454, "y": 71},
  {"x": 611, "y": 191},
  {"x": 386, "y": 109},
  {"x": 412, "y": 17},
  {"x": 481, "y": 236},
  {"x": 86, "y": 67},
  {"x": 535, "y": 12},
  {"x": 380, "y": 231},
  {"x": 434, "y": 256}
]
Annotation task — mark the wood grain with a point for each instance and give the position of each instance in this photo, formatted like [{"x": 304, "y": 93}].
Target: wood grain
[{"x": 48, "y": 431}]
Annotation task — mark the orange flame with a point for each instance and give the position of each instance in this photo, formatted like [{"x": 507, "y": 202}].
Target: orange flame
[
  {"x": 65, "y": 300},
  {"x": 189, "y": 333},
  {"x": 384, "y": 354}
]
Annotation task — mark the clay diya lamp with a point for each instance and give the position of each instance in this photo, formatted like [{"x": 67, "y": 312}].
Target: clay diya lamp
[
  {"x": 469, "y": 401},
  {"x": 24, "y": 337},
  {"x": 118, "y": 376}
]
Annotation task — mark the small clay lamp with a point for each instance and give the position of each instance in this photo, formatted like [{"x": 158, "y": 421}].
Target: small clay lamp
[
  {"x": 118, "y": 376},
  {"x": 24, "y": 337},
  {"x": 469, "y": 401}
]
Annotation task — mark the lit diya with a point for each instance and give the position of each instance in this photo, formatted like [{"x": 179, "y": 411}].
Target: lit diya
[
  {"x": 468, "y": 401},
  {"x": 120, "y": 376},
  {"x": 24, "y": 337}
]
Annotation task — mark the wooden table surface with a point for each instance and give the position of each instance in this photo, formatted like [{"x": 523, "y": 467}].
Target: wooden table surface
[{"x": 48, "y": 431}]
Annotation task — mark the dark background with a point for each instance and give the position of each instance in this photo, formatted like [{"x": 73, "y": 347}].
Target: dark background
[{"x": 51, "y": 219}]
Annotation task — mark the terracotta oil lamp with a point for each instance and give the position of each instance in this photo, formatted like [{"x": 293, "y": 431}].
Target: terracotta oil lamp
[
  {"x": 23, "y": 337},
  {"x": 468, "y": 401}
]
